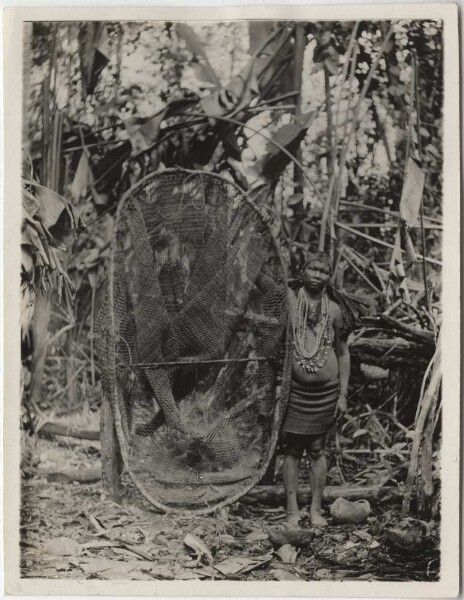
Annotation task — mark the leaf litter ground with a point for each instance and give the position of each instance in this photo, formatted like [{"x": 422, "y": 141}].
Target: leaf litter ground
[{"x": 68, "y": 530}]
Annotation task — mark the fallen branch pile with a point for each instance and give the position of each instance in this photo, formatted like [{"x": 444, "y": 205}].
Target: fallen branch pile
[{"x": 388, "y": 342}]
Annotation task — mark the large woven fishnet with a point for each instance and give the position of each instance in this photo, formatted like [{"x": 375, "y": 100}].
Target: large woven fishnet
[{"x": 195, "y": 280}]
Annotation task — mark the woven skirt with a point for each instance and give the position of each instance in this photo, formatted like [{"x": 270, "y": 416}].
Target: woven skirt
[{"x": 311, "y": 407}]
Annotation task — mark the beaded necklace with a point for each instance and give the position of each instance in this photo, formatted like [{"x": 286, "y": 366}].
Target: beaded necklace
[{"x": 312, "y": 359}]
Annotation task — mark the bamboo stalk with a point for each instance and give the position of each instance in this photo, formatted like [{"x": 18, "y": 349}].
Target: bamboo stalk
[
  {"x": 344, "y": 151},
  {"x": 426, "y": 491},
  {"x": 426, "y": 402},
  {"x": 355, "y": 117},
  {"x": 335, "y": 177},
  {"x": 298, "y": 56},
  {"x": 325, "y": 214},
  {"x": 347, "y": 63},
  {"x": 367, "y": 83}
]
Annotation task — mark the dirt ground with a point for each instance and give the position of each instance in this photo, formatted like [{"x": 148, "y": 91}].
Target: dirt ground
[{"x": 69, "y": 530}]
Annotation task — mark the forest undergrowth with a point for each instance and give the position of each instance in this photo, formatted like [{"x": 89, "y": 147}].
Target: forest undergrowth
[{"x": 71, "y": 530}]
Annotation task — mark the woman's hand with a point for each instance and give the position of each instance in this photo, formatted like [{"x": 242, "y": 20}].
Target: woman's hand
[{"x": 341, "y": 407}]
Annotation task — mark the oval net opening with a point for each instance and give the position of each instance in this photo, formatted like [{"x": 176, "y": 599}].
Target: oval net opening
[{"x": 192, "y": 339}]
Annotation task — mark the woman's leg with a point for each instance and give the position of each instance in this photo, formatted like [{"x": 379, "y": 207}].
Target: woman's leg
[
  {"x": 318, "y": 466},
  {"x": 290, "y": 473}
]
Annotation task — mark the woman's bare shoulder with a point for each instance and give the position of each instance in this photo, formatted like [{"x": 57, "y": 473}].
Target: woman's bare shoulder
[
  {"x": 334, "y": 309},
  {"x": 291, "y": 294}
]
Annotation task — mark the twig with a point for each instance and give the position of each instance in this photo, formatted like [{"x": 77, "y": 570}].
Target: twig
[
  {"x": 331, "y": 561},
  {"x": 59, "y": 393},
  {"x": 264, "y": 103},
  {"x": 102, "y": 532},
  {"x": 366, "y": 279}
]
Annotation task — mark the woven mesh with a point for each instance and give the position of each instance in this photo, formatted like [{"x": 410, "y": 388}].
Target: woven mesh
[{"x": 192, "y": 338}]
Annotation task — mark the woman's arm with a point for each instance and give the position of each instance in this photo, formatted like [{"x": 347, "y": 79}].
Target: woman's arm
[
  {"x": 292, "y": 302},
  {"x": 344, "y": 366}
]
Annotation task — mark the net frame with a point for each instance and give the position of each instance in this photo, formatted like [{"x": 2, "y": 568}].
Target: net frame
[{"x": 114, "y": 390}]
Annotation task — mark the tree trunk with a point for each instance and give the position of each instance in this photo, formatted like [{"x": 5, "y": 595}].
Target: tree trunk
[
  {"x": 110, "y": 453},
  {"x": 40, "y": 323},
  {"x": 298, "y": 56},
  {"x": 27, "y": 62}
]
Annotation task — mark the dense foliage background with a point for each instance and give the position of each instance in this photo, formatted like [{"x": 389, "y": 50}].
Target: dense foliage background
[{"x": 316, "y": 121}]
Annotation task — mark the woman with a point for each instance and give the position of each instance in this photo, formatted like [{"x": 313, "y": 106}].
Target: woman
[{"x": 320, "y": 373}]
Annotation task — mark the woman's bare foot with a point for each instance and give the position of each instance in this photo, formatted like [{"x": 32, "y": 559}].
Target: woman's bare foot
[
  {"x": 317, "y": 519},
  {"x": 292, "y": 521}
]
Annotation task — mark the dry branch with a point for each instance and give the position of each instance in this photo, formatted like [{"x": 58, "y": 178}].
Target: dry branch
[
  {"x": 390, "y": 352},
  {"x": 419, "y": 334},
  {"x": 274, "y": 495},
  {"x": 92, "y": 475},
  {"x": 66, "y": 430}
]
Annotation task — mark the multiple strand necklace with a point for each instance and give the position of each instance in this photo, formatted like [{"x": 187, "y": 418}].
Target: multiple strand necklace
[{"x": 315, "y": 358}]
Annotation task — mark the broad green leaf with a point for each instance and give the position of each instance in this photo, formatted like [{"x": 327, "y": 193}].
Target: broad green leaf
[
  {"x": 196, "y": 47},
  {"x": 143, "y": 133},
  {"x": 289, "y": 137},
  {"x": 82, "y": 178}
]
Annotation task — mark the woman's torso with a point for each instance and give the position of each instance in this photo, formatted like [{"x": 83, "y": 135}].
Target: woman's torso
[{"x": 329, "y": 372}]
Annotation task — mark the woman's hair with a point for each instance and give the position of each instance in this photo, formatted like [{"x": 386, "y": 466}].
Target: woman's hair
[
  {"x": 319, "y": 257},
  {"x": 352, "y": 307}
]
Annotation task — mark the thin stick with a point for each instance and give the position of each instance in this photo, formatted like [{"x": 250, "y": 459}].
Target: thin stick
[
  {"x": 335, "y": 179},
  {"x": 193, "y": 362},
  {"x": 330, "y": 132},
  {"x": 355, "y": 118},
  {"x": 344, "y": 151},
  {"x": 92, "y": 319},
  {"x": 264, "y": 103},
  {"x": 432, "y": 261},
  {"x": 366, "y": 279},
  {"x": 385, "y": 211},
  {"x": 419, "y": 142},
  {"x": 388, "y": 226}
]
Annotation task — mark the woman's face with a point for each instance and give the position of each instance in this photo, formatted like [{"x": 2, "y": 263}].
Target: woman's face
[{"x": 316, "y": 275}]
